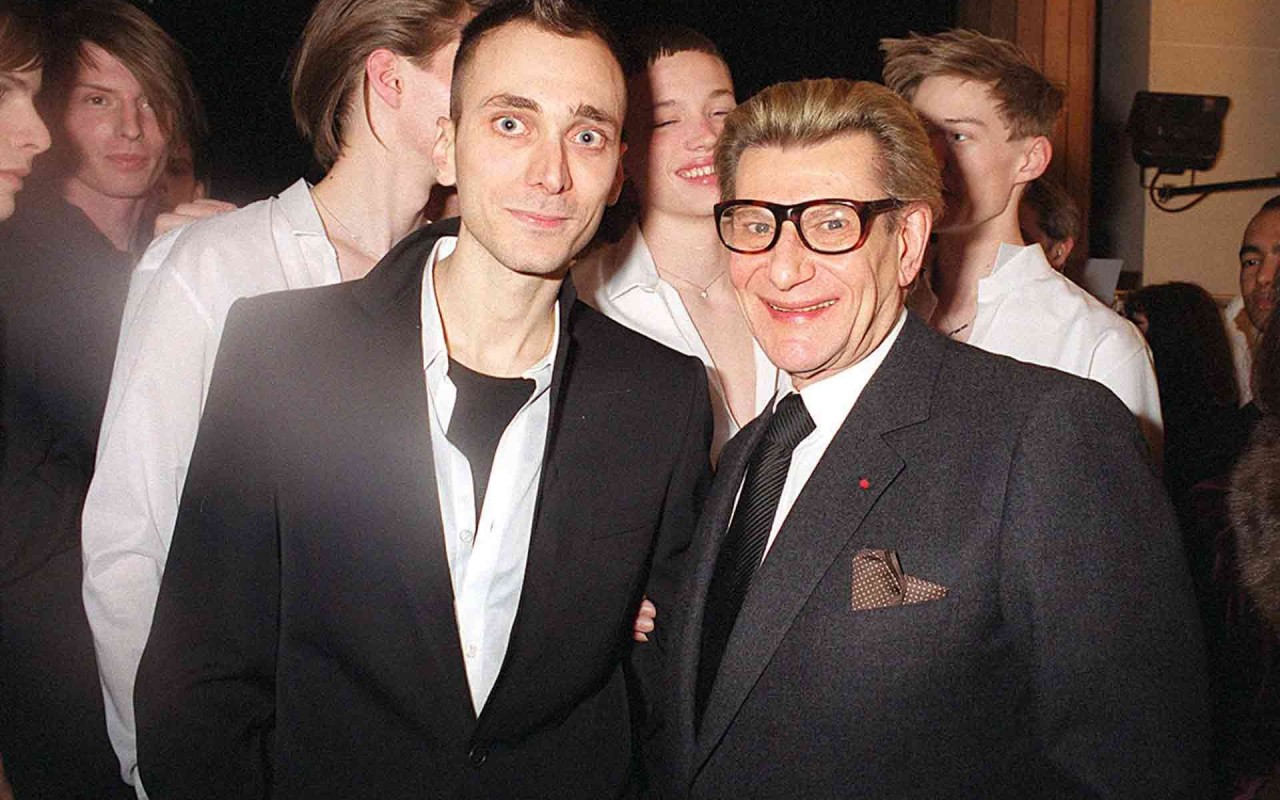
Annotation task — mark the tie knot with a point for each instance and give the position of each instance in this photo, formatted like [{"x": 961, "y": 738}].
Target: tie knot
[{"x": 790, "y": 423}]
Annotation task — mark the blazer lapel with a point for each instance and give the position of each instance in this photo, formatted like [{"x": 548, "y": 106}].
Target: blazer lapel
[
  {"x": 391, "y": 297},
  {"x": 533, "y": 626},
  {"x": 856, "y": 469},
  {"x": 708, "y": 539}
]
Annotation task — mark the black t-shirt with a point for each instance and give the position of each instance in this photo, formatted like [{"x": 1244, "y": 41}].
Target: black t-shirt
[{"x": 484, "y": 408}]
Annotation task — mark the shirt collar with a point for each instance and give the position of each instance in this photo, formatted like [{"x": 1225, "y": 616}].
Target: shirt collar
[
  {"x": 831, "y": 399},
  {"x": 435, "y": 352},
  {"x": 300, "y": 209},
  {"x": 1017, "y": 264},
  {"x": 635, "y": 268}
]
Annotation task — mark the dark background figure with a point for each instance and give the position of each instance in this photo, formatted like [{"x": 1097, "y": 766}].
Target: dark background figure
[
  {"x": 1231, "y": 530},
  {"x": 1203, "y": 428},
  {"x": 1049, "y": 217},
  {"x": 115, "y": 91},
  {"x": 1254, "y": 515}
]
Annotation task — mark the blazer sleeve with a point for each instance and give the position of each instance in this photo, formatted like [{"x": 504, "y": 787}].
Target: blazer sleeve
[
  {"x": 1095, "y": 584},
  {"x": 204, "y": 697},
  {"x": 686, "y": 490}
]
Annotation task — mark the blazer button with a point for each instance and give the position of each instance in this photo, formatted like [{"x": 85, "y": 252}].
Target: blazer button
[{"x": 478, "y": 755}]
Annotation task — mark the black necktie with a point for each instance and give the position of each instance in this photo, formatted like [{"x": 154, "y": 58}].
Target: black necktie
[{"x": 744, "y": 544}]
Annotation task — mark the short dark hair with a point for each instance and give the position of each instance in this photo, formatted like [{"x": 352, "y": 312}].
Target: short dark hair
[
  {"x": 151, "y": 55},
  {"x": 327, "y": 66},
  {"x": 1270, "y": 205},
  {"x": 650, "y": 43},
  {"x": 563, "y": 17},
  {"x": 1056, "y": 211},
  {"x": 22, "y": 40}
]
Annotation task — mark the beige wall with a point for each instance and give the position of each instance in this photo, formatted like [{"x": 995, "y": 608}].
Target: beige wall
[{"x": 1227, "y": 47}]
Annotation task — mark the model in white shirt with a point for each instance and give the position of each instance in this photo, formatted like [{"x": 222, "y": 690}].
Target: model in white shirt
[
  {"x": 992, "y": 140},
  {"x": 667, "y": 277},
  {"x": 380, "y": 175}
]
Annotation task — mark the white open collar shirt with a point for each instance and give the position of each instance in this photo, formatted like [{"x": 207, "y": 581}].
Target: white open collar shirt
[
  {"x": 178, "y": 300},
  {"x": 622, "y": 282},
  {"x": 828, "y": 402},
  {"x": 486, "y": 560},
  {"x": 1029, "y": 311}
]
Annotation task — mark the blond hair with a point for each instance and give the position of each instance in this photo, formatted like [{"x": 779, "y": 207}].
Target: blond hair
[
  {"x": 1025, "y": 99},
  {"x": 810, "y": 112}
]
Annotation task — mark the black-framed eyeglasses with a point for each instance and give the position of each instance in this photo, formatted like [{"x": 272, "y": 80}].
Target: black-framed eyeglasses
[{"x": 830, "y": 225}]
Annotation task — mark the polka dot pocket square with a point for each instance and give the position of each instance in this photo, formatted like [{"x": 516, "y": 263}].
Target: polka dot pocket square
[{"x": 879, "y": 582}]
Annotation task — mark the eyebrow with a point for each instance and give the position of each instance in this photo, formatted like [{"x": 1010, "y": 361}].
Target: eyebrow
[
  {"x": 512, "y": 101},
  {"x": 1253, "y": 249},
  {"x": 965, "y": 121},
  {"x": 588, "y": 111},
  {"x": 97, "y": 87}
]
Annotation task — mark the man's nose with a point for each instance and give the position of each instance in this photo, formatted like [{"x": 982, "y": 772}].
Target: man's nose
[{"x": 789, "y": 260}]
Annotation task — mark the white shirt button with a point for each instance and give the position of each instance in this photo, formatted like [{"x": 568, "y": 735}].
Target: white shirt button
[
  {"x": 466, "y": 535},
  {"x": 471, "y": 651}
]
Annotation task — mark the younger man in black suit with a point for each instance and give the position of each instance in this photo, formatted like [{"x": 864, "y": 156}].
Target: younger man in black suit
[
  {"x": 422, "y": 507},
  {"x": 925, "y": 570}
]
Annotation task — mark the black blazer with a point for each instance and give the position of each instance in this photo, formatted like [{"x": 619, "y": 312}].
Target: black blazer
[
  {"x": 304, "y": 641},
  {"x": 1065, "y": 660}
]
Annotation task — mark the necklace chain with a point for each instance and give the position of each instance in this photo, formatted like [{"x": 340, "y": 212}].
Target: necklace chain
[
  {"x": 350, "y": 234},
  {"x": 702, "y": 290}
]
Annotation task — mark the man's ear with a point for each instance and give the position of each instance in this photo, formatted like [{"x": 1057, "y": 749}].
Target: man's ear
[
  {"x": 619, "y": 177},
  {"x": 382, "y": 72},
  {"x": 1036, "y": 155},
  {"x": 444, "y": 152},
  {"x": 912, "y": 239}
]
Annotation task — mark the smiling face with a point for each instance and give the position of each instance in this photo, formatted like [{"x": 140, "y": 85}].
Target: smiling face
[
  {"x": 113, "y": 131},
  {"x": 22, "y": 135},
  {"x": 535, "y": 151},
  {"x": 1260, "y": 265},
  {"x": 677, "y": 111},
  {"x": 815, "y": 314},
  {"x": 982, "y": 170}
]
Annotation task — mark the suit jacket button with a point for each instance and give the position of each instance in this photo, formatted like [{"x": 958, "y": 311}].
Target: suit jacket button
[{"x": 478, "y": 755}]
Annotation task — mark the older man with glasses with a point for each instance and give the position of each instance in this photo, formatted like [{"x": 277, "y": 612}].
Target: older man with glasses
[{"x": 925, "y": 570}]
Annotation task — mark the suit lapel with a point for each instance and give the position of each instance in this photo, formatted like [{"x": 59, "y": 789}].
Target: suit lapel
[
  {"x": 534, "y": 622},
  {"x": 856, "y": 469},
  {"x": 391, "y": 297}
]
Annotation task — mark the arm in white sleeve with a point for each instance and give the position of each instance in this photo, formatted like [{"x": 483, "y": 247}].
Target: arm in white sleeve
[{"x": 161, "y": 373}]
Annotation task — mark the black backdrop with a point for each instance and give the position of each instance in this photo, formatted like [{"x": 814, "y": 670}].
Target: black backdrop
[{"x": 239, "y": 48}]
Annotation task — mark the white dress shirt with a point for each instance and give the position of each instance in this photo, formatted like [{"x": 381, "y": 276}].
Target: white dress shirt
[
  {"x": 486, "y": 561},
  {"x": 178, "y": 300},
  {"x": 828, "y": 402},
  {"x": 1242, "y": 336},
  {"x": 1027, "y": 310},
  {"x": 622, "y": 282}
]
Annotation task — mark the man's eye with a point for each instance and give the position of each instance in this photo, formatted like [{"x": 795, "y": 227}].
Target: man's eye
[
  {"x": 662, "y": 123},
  {"x": 590, "y": 138},
  {"x": 1249, "y": 262},
  {"x": 96, "y": 100},
  {"x": 509, "y": 125},
  {"x": 957, "y": 136}
]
